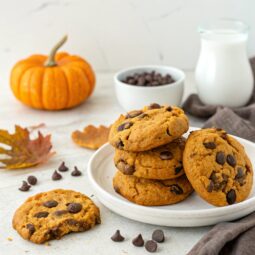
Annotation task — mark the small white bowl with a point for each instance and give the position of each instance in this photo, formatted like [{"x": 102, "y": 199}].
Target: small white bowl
[{"x": 133, "y": 97}]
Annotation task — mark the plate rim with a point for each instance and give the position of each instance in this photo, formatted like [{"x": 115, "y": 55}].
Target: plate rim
[{"x": 208, "y": 212}]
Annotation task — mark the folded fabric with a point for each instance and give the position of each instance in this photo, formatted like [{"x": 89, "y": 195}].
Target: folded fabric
[
  {"x": 228, "y": 238},
  {"x": 237, "y": 121}
]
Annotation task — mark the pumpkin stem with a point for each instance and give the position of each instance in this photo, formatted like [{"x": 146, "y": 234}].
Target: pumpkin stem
[{"x": 51, "y": 59}]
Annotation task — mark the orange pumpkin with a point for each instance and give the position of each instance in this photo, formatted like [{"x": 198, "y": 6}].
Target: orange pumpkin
[{"x": 59, "y": 81}]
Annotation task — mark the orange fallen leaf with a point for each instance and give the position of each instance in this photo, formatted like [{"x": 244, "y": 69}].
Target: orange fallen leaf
[
  {"x": 91, "y": 137},
  {"x": 22, "y": 152}
]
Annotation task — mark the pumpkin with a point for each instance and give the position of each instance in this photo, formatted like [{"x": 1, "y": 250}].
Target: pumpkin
[{"x": 59, "y": 81}]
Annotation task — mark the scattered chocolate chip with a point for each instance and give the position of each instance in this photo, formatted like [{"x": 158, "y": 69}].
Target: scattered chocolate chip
[
  {"x": 154, "y": 106},
  {"x": 125, "y": 125},
  {"x": 120, "y": 145},
  {"x": 178, "y": 169},
  {"x": 76, "y": 172},
  {"x": 151, "y": 246},
  {"x": 63, "y": 167},
  {"x": 168, "y": 132},
  {"x": 74, "y": 207},
  {"x": 117, "y": 237},
  {"x": 158, "y": 236},
  {"x": 41, "y": 215},
  {"x": 240, "y": 173},
  {"x": 210, "y": 145},
  {"x": 56, "y": 176},
  {"x": 138, "y": 241},
  {"x": 210, "y": 187},
  {"x": 166, "y": 155},
  {"x": 60, "y": 212},
  {"x": 169, "y": 108},
  {"x": 219, "y": 129},
  {"x": 25, "y": 186},
  {"x": 176, "y": 189},
  {"x": 231, "y": 160},
  {"x": 50, "y": 203},
  {"x": 231, "y": 197},
  {"x": 32, "y": 180},
  {"x": 220, "y": 157},
  {"x": 133, "y": 114},
  {"x": 148, "y": 79},
  {"x": 31, "y": 228}
]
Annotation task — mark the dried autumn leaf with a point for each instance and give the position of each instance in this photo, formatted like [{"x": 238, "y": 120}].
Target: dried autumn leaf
[
  {"x": 91, "y": 137},
  {"x": 23, "y": 151}
]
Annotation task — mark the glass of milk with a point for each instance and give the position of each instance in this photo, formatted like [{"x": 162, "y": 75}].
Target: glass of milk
[{"x": 223, "y": 72}]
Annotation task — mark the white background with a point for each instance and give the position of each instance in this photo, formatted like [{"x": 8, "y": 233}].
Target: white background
[{"x": 113, "y": 34}]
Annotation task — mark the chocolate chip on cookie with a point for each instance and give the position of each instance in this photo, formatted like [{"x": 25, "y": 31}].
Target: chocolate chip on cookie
[
  {"x": 231, "y": 160},
  {"x": 210, "y": 145},
  {"x": 133, "y": 114},
  {"x": 220, "y": 157},
  {"x": 60, "y": 212},
  {"x": 176, "y": 189},
  {"x": 41, "y": 215},
  {"x": 31, "y": 228},
  {"x": 124, "y": 126},
  {"x": 154, "y": 106},
  {"x": 231, "y": 197},
  {"x": 50, "y": 203},
  {"x": 74, "y": 207}
]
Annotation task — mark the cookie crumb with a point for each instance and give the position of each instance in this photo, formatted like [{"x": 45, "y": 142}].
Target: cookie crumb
[{"x": 10, "y": 239}]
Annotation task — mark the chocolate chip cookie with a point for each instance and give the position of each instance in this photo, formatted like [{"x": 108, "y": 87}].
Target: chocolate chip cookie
[
  {"x": 53, "y": 214},
  {"x": 217, "y": 167},
  {"x": 148, "y": 128},
  {"x": 164, "y": 162},
  {"x": 151, "y": 192}
]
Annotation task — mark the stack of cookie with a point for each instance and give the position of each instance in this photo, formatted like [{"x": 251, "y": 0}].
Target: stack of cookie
[{"x": 148, "y": 155}]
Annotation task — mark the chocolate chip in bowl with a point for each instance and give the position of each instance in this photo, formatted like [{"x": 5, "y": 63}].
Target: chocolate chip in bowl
[
  {"x": 152, "y": 78},
  {"x": 142, "y": 85}
]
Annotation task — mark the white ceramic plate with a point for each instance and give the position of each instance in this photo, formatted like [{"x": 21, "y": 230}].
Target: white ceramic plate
[{"x": 189, "y": 213}]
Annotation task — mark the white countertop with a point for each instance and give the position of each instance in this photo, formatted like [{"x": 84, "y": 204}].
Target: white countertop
[{"x": 101, "y": 108}]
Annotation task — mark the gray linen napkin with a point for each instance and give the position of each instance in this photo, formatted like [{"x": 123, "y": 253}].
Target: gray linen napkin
[
  {"x": 236, "y": 121},
  {"x": 228, "y": 238}
]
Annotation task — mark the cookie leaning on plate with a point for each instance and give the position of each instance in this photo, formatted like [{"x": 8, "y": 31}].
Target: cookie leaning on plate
[
  {"x": 148, "y": 128},
  {"x": 164, "y": 162},
  {"x": 55, "y": 213},
  {"x": 217, "y": 167},
  {"x": 151, "y": 192}
]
